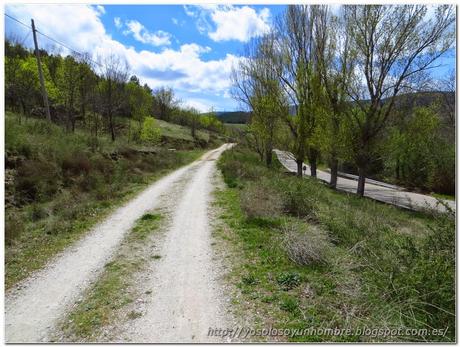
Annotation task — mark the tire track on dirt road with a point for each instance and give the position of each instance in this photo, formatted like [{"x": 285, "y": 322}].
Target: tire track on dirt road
[
  {"x": 35, "y": 305},
  {"x": 186, "y": 295}
]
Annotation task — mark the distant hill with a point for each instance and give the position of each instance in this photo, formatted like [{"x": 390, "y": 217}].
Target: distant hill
[
  {"x": 403, "y": 101},
  {"x": 235, "y": 117}
]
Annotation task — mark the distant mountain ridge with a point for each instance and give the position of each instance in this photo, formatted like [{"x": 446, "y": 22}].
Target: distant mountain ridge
[
  {"x": 409, "y": 100},
  {"x": 234, "y": 117}
]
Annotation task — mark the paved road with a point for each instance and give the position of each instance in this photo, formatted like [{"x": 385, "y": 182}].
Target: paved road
[{"x": 390, "y": 195}]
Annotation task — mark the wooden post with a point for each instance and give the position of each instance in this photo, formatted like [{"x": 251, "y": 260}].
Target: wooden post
[{"x": 40, "y": 74}]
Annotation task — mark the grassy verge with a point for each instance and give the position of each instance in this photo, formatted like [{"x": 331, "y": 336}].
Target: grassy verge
[
  {"x": 113, "y": 291},
  {"x": 443, "y": 196},
  {"x": 180, "y": 132},
  {"x": 58, "y": 185},
  {"x": 316, "y": 258}
]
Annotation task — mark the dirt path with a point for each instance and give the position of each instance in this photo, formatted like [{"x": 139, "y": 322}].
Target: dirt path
[
  {"x": 34, "y": 306},
  {"x": 186, "y": 299}
]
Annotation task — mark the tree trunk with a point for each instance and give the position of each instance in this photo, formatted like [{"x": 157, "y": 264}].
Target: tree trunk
[
  {"x": 129, "y": 129},
  {"x": 83, "y": 114},
  {"x": 334, "y": 172},
  {"x": 193, "y": 130},
  {"x": 313, "y": 158},
  {"x": 112, "y": 130},
  {"x": 268, "y": 156},
  {"x": 68, "y": 121},
  {"x": 361, "y": 182},
  {"x": 299, "y": 163},
  {"x": 313, "y": 167}
]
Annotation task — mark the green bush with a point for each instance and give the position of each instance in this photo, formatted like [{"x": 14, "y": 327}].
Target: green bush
[
  {"x": 299, "y": 198},
  {"x": 288, "y": 280},
  {"x": 428, "y": 284},
  {"x": 151, "y": 132}
]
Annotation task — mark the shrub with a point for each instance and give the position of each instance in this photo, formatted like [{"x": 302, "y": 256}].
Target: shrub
[
  {"x": 427, "y": 286},
  {"x": 37, "y": 181},
  {"x": 300, "y": 199},
  {"x": 306, "y": 244},
  {"x": 150, "y": 133},
  {"x": 289, "y": 304},
  {"x": 249, "y": 280},
  {"x": 14, "y": 226},
  {"x": 288, "y": 280},
  {"x": 232, "y": 171},
  {"x": 54, "y": 225},
  {"x": 261, "y": 201},
  {"x": 76, "y": 164},
  {"x": 38, "y": 212}
]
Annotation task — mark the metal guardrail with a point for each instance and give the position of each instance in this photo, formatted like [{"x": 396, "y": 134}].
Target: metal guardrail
[{"x": 354, "y": 177}]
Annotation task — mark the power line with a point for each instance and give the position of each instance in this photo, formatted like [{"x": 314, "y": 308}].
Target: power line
[
  {"x": 17, "y": 20},
  {"x": 69, "y": 48},
  {"x": 53, "y": 39}
]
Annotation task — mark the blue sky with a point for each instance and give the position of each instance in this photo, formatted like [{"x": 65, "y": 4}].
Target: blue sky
[{"x": 189, "y": 48}]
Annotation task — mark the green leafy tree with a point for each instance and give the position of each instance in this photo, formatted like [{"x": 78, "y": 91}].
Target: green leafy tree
[
  {"x": 67, "y": 83},
  {"x": 395, "y": 46},
  {"x": 418, "y": 155},
  {"x": 140, "y": 103}
]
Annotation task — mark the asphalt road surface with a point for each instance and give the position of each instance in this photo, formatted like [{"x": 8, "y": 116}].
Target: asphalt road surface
[{"x": 376, "y": 190}]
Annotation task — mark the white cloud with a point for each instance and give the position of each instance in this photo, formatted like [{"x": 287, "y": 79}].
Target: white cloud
[
  {"x": 240, "y": 24},
  {"x": 190, "y": 11},
  {"x": 100, "y": 9},
  {"x": 80, "y": 27},
  {"x": 118, "y": 23},
  {"x": 141, "y": 34},
  {"x": 230, "y": 22},
  {"x": 198, "y": 104},
  {"x": 178, "y": 22}
]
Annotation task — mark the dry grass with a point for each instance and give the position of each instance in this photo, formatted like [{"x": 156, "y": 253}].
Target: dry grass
[
  {"x": 261, "y": 201},
  {"x": 306, "y": 244}
]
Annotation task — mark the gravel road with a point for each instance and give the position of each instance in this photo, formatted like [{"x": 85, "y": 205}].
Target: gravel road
[{"x": 186, "y": 293}]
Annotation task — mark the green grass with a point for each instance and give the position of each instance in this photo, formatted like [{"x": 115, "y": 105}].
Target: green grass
[
  {"x": 112, "y": 291},
  {"x": 235, "y": 125},
  {"x": 59, "y": 185},
  {"x": 383, "y": 266},
  {"x": 177, "y": 131},
  {"x": 443, "y": 196}
]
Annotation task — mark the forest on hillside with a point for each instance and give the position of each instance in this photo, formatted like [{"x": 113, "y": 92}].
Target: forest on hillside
[{"x": 99, "y": 96}]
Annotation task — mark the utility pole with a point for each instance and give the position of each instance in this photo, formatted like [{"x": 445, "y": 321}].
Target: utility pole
[{"x": 40, "y": 74}]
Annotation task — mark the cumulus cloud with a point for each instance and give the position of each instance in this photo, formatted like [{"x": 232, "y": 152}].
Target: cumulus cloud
[
  {"x": 227, "y": 22},
  {"x": 141, "y": 34},
  {"x": 80, "y": 27},
  {"x": 198, "y": 104}
]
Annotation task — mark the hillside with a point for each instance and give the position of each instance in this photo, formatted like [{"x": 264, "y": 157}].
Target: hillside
[
  {"x": 404, "y": 101},
  {"x": 235, "y": 117},
  {"x": 58, "y": 184}
]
